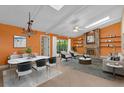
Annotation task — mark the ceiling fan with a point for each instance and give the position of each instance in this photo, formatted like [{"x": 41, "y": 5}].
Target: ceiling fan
[{"x": 77, "y": 29}]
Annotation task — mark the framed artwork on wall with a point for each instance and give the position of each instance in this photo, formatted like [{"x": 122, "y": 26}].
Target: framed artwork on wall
[
  {"x": 90, "y": 37},
  {"x": 19, "y": 42}
]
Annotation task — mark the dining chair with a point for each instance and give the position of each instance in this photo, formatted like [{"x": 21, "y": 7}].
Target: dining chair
[
  {"x": 14, "y": 56},
  {"x": 40, "y": 64},
  {"x": 24, "y": 69},
  {"x": 25, "y": 55},
  {"x": 52, "y": 62}
]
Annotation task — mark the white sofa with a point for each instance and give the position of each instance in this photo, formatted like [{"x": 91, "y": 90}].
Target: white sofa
[{"x": 119, "y": 71}]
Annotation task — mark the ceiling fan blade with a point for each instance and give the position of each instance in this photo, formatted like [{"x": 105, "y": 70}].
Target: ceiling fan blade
[{"x": 81, "y": 29}]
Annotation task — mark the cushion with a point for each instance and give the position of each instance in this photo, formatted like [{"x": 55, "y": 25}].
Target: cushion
[
  {"x": 117, "y": 59},
  {"x": 82, "y": 58},
  {"x": 68, "y": 56},
  {"x": 112, "y": 58},
  {"x": 64, "y": 52},
  {"x": 86, "y": 56}
]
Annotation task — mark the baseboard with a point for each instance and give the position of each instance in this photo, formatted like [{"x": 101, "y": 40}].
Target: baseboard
[{"x": 3, "y": 66}]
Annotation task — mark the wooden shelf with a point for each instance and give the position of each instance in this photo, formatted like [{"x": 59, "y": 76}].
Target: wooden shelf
[
  {"x": 112, "y": 42},
  {"x": 110, "y": 37},
  {"x": 111, "y": 47},
  {"x": 78, "y": 42}
]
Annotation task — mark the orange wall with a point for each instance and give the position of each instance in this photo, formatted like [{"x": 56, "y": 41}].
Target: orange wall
[
  {"x": 80, "y": 50},
  {"x": 7, "y": 33},
  {"x": 112, "y": 29}
]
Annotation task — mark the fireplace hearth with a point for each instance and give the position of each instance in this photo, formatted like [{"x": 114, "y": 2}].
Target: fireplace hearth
[{"x": 91, "y": 51}]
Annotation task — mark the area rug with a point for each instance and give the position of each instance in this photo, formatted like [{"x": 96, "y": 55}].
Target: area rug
[
  {"x": 94, "y": 69},
  {"x": 36, "y": 78}
]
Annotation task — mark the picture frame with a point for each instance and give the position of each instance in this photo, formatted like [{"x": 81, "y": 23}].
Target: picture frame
[
  {"x": 19, "y": 41},
  {"x": 90, "y": 37}
]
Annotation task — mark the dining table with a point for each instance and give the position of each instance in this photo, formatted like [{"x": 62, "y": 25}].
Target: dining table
[{"x": 25, "y": 59}]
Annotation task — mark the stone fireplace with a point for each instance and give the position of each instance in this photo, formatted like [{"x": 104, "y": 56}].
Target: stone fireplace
[
  {"x": 92, "y": 48},
  {"x": 91, "y": 51}
]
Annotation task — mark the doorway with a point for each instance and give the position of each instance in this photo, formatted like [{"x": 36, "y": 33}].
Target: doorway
[{"x": 44, "y": 45}]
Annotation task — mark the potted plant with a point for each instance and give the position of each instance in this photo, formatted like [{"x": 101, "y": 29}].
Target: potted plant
[{"x": 28, "y": 50}]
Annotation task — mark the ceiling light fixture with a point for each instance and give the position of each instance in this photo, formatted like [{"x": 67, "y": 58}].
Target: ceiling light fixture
[
  {"x": 77, "y": 29},
  {"x": 57, "y": 7},
  {"x": 102, "y": 21},
  {"x": 28, "y": 31}
]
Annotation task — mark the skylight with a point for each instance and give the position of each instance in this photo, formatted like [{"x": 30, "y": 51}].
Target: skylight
[
  {"x": 101, "y": 21},
  {"x": 57, "y": 7}
]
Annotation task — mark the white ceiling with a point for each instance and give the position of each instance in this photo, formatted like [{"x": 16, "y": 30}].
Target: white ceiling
[{"x": 61, "y": 22}]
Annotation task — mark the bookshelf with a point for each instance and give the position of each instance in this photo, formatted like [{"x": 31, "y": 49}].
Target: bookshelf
[
  {"x": 111, "y": 41},
  {"x": 78, "y": 42}
]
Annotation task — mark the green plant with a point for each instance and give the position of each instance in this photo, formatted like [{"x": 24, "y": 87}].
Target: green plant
[{"x": 28, "y": 50}]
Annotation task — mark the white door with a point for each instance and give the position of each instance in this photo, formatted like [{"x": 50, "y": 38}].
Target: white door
[{"x": 45, "y": 45}]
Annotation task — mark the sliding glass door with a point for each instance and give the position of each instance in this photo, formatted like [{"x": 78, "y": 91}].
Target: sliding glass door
[{"x": 62, "y": 45}]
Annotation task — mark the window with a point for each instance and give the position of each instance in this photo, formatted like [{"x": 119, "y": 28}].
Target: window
[{"x": 62, "y": 45}]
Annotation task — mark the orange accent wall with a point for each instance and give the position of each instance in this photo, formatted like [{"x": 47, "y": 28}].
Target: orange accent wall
[
  {"x": 74, "y": 43},
  {"x": 114, "y": 29},
  {"x": 111, "y": 29},
  {"x": 7, "y": 33}
]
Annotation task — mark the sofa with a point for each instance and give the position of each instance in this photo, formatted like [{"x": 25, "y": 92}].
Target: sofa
[{"x": 119, "y": 71}]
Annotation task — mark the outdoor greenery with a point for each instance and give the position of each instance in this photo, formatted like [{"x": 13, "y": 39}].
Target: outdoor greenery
[{"x": 62, "y": 45}]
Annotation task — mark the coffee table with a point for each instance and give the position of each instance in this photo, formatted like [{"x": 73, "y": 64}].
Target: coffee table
[
  {"x": 83, "y": 60},
  {"x": 114, "y": 66}
]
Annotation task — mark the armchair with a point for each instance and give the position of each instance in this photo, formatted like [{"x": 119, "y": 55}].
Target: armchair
[
  {"x": 73, "y": 54},
  {"x": 65, "y": 55}
]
